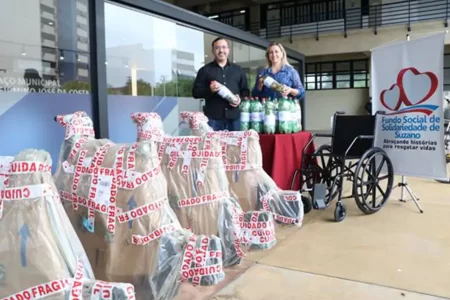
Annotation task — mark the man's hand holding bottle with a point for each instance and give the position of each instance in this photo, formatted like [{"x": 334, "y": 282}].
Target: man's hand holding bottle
[{"x": 225, "y": 93}]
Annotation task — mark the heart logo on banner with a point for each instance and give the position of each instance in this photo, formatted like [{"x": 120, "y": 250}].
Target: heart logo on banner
[
  {"x": 390, "y": 98},
  {"x": 417, "y": 87}
]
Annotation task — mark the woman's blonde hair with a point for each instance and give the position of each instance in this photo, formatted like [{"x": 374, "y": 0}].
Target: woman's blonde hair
[{"x": 284, "y": 60}]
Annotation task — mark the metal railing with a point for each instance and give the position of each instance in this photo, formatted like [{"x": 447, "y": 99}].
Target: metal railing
[{"x": 373, "y": 17}]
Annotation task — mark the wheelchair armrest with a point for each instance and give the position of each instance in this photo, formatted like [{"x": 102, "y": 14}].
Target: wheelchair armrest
[
  {"x": 312, "y": 139},
  {"x": 359, "y": 137}
]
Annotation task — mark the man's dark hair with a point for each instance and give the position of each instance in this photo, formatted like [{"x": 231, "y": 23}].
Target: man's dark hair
[{"x": 218, "y": 39}]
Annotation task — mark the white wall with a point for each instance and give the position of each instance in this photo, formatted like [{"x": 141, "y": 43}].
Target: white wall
[{"x": 322, "y": 104}]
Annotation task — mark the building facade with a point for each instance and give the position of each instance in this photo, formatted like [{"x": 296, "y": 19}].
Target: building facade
[
  {"x": 336, "y": 36},
  {"x": 109, "y": 59}
]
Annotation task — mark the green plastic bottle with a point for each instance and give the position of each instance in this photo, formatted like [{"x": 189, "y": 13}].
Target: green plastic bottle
[
  {"x": 294, "y": 119},
  {"x": 298, "y": 110},
  {"x": 245, "y": 114},
  {"x": 269, "y": 118},
  {"x": 255, "y": 115},
  {"x": 284, "y": 108},
  {"x": 277, "y": 115}
]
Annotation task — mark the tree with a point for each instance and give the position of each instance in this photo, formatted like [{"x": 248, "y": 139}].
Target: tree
[
  {"x": 179, "y": 87},
  {"x": 143, "y": 88},
  {"x": 76, "y": 85}
]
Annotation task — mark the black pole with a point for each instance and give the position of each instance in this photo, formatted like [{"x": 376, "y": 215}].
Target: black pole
[{"x": 97, "y": 46}]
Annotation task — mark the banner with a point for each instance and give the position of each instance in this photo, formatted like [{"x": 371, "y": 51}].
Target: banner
[{"x": 407, "y": 84}]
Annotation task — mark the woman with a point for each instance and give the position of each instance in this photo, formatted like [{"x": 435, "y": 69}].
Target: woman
[{"x": 279, "y": 69}]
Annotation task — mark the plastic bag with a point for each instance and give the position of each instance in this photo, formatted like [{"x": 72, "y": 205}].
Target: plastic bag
[
  {"x": 116, "y": 197},
  {"x": 151, "y": 126},
  {"x": 198, "y": 190},
  {"x": 41, "y": 255},
  {"x": 197, "y": 122},
  {"x": 195, "y": 171},
  {"x": 242, "y": 157}
]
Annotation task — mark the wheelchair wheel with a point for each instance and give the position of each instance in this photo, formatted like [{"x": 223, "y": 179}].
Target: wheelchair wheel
[
  {"x": 369, "y": 179},
  {"x": 326, "y": 171},
  {"x": 307, "y": 204},
  {"x": 340, "y": 212}
]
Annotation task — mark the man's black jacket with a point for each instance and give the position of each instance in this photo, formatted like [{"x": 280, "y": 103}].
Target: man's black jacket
[{"x": 232, "y": 76}]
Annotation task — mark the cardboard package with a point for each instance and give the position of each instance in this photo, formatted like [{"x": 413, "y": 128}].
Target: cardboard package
[
  {"x": 250, "y": 184},
  {"x": 41, "y": 256},
  {"x": 116, "y": 197}
]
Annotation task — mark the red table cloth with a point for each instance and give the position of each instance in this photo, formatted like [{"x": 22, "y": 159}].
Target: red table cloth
[{"x": 282, "y": 155}]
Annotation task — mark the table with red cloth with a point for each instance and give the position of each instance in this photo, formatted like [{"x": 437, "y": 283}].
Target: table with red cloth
[{"x": 282, "y": 155}]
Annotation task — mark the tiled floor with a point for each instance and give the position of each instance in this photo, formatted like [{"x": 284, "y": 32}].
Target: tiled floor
[{"x": 396, "y": 253}]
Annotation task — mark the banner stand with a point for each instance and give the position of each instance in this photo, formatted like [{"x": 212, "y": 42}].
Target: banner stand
[{"x": 404, "y": 185}]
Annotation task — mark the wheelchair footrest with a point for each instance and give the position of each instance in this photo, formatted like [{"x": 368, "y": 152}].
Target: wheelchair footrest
[{"x": 319, "y": 196}]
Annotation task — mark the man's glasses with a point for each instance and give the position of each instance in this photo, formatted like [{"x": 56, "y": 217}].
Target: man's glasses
[{"x": 220, "y": 47}]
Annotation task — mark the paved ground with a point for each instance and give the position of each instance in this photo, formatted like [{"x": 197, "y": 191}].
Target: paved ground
[{"x": 396, "y": 253}]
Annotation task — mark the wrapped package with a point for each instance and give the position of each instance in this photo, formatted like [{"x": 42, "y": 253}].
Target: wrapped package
[
  {"x": 199, "y": 191},
  {"x": 150, "y": 127},
  {"x": 197, "y": 122},
  {"x": 242, "y": 157},
  {"x": 116, "y": 197},
  {"x": 41, "y": 256}
]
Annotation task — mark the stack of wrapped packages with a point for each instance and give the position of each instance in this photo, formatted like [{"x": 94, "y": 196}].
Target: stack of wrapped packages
[
  {"x": 199, "y": 193},
  {"x": 116, "y": 198},
  {"x": 242, "y": 157},
  {"x": 41, "y": 256}
]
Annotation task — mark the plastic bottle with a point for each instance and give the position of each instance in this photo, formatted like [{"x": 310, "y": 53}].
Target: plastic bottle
[
  {"x": 269, "y": 118},
  {"x": 284, "y": 108},
  {"x": 255, "y": 115},
  {"x": 294, "y": 118},
  {"x": 225, "y": 93},
  {"x": 245, "y": 114},
  {"x": 277, "y": 114},
  {"x": 298, "y": 114},
  {"x": 272, "y": 84}
]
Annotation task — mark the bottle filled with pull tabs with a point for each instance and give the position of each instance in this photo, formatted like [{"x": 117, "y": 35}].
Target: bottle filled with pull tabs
[{"x": 245, "y": 114}]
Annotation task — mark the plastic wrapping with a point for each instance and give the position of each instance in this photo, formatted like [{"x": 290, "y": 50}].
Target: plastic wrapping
[
  {"x": 41, "y": 256},
  {"x": 249, "y": 183},
  {"x": 199, "y": 191},
  {"x": 197, "y": 122},
  {"x": 150, "y": 126},
  {"x": 116, "y": 197}
]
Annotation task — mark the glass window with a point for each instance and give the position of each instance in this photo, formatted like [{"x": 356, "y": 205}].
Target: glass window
[
  {"x": 149, "y": 69},
  {"x": 310, "y": 78},
  {"x": 311, "y": 68},
  {"x": 343, "y": 66},
  {"x": 360, "y": 65},
  {"x": 326, "y": 85},
  {"x": 310, "y": 86},
  {"x": 360, "y": 76},
  {"x": 44, "y": 71},
  {"x": 342, "y": 84},
  {"x": 339, "y": 74},
  {"x": 360, "y": 84},
  {"x": 447, "y": 61},
  {"x": 326, "y": 67},
  {"x": 341, "y": 77}
]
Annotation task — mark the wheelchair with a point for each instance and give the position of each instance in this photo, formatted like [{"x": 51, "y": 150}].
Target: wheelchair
[{"x": 352, "y": 156}]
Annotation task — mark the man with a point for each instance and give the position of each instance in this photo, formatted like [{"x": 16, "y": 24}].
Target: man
[{"x": 221, "y": 114}]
